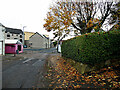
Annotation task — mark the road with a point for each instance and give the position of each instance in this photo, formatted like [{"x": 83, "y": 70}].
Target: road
[{"x": 27, "y": 72}]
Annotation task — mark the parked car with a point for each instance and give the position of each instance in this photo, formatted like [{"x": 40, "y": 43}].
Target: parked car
[{"x": 24, "y": 46}]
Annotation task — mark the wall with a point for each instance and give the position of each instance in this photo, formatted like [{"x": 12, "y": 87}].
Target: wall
[
  {"x": 37, "y": 41},
  {"x": 1, "y": 47},
  {"x": 28, "y": 34},
  {"x": 10, "y": 48},
  {"x": 46, "y": 42},
  {"x": 26, "y": 42},
  {"x": 14, "y": 36},
  {"x": 2, "y": 40}
]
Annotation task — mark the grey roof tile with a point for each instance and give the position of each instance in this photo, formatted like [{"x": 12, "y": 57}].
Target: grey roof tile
[{"x": 14, "y": 31}]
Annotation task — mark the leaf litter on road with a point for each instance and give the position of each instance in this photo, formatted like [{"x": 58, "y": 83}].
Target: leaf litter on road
[{"x": 63, "y": 75}]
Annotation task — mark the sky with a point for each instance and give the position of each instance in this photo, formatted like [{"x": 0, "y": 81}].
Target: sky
[{"x": 29, "y": 13}]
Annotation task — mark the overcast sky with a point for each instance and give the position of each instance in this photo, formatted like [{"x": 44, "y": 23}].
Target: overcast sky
[{"x": 30, "y": 13}]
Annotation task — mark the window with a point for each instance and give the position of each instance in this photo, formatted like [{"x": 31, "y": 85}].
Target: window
[
  {"x": 8, "y": 38},
  {"x": 15, "y": 38},
  {"x": 8, "y": 35},
  {"x": 20, "y": 36},
  {"x": 21, "y": 40}
]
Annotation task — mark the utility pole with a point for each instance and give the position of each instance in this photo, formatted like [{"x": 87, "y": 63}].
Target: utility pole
[{"x": 24, "y": 34}]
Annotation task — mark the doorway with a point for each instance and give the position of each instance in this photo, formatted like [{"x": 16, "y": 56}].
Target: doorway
[{"x": 19, "y": 47}]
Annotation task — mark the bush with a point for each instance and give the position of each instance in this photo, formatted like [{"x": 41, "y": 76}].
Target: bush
[
  {"x": 93, "y": 48},
  {"x": 55, "y": 43}
]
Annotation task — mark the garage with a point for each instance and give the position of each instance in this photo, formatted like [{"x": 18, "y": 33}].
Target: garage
[{"x": 13, "y": 46}]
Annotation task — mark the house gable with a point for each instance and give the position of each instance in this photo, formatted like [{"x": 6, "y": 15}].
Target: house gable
[
  {"x": 37, "y": 34},
  {"x": 38, "y": 41},
  {"x": 28, "y": 35}
]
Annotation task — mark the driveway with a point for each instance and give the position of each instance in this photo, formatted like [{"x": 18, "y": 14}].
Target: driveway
[{"x": 26, "y": 70}]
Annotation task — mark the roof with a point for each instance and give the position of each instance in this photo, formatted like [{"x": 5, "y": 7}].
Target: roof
[
  {"x": 14, "y": 31},
  {"x": 10, "y": 41},
  {"x": 38, "y": 34},
  {"x": 46, "y": 37},
  {"x": 2, "y": 25},
  {"x": 28, "y": 32}
]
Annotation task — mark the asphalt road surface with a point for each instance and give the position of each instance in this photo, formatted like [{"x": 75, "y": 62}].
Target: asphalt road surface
[{"x": 27, "y": 72}]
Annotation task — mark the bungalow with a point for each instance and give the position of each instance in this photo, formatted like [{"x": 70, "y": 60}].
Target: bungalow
[
  {"x": 13, "y": 46},
  {"x": 2, "y": 40},
  {"x": 39, "y": 41}
]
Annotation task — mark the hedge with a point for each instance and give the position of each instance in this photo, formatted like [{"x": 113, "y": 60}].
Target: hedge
[{"x": 93, "y": 48}]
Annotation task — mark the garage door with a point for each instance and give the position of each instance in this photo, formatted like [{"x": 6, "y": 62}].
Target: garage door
[{"x": 0, "y": 47}]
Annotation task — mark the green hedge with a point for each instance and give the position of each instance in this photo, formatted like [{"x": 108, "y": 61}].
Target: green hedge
[{"x": 93, "y": 48}]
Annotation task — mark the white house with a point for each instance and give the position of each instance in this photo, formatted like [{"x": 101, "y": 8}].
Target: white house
[
  {"x": 2, "y": 39},
  {"x": 16, "y": 34}
]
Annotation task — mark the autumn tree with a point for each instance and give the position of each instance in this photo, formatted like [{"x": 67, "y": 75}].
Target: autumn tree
[
  {"x": 83, "y": 17},
  {"x": 115, "y": 15}
]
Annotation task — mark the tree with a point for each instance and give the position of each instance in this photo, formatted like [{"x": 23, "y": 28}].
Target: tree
[
  {"x": 83, "y": 17},
  {"x": 115, "y": 15}
]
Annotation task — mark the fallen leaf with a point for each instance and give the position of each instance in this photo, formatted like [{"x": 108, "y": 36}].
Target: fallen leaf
[{"x": 50, "y": 85}]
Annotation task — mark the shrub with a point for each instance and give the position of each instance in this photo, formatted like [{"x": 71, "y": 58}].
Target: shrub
[
  {"x": 93, "y": 48},
  {"x": 55, "y": 43}
]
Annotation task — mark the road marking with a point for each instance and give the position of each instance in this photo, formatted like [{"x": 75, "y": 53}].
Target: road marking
[
  {"x": 36, "y": 62},
  {"x": 28, "y": 60}
]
